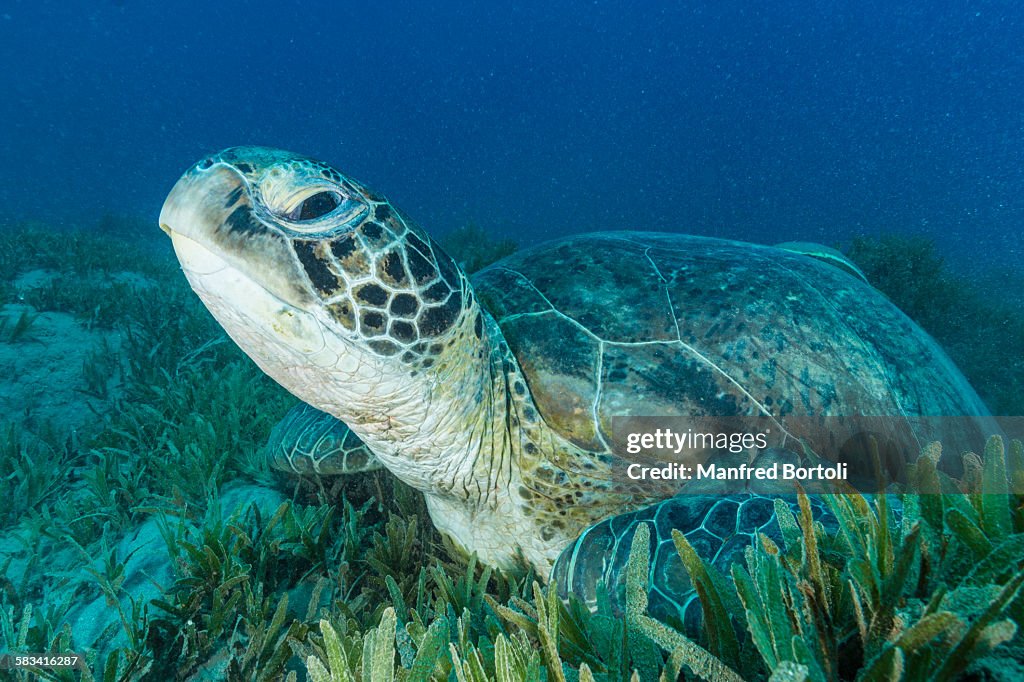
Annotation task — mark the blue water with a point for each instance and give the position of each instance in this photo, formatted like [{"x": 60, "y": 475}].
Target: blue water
[{"x": 806, "y": 120}]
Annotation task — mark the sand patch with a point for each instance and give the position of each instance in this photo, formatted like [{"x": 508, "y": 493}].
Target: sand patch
[
  {"x": 41, "y": 277},
  {"x": 44, "y": 386},
  {"x": 33, "y": 279}
]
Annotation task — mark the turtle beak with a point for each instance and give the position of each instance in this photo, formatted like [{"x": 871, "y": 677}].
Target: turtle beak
[
  {"x": 200, "y": 203},
  {"x": 212, "y": 222},
  {"x": 201, "y": 200}
]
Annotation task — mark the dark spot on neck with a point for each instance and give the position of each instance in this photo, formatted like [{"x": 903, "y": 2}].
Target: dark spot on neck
[
  {"x": 342, "y": 312},
  {"x": 372, "y": 294},
  {"x": 437, "y": 292},
  {"x": 383, "y": 347},
  {"x": 403, "y": 331},
  {"x": 439, "y": 319},
  {"x": 404, "y": 305},
  {"x": 371, "y": 323}
]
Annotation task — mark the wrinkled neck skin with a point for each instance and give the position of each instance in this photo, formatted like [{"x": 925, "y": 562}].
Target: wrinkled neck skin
[{"x": 432, "y": 427}]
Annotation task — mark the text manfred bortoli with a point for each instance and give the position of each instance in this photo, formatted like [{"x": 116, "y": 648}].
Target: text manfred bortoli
[{"x": 668, "y": 439}]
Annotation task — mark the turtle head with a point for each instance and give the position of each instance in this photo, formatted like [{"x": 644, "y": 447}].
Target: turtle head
[{"x": 311, "y": 272}]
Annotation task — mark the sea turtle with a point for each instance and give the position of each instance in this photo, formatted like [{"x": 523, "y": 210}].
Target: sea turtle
[{"x": 496, "y": 395}]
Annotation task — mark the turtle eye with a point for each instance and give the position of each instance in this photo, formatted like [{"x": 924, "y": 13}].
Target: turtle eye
[
  {"x": 308, "y": 204},
  {"x": 315, "y": 206}
]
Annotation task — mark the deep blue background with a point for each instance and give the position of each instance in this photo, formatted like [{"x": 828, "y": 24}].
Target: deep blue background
[{"x": 811, "y": 120}]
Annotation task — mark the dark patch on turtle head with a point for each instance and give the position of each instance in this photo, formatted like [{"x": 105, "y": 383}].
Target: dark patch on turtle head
[
  {"x": 317, "y": 268},
  {"x": 234, "y": 196},
  {"x": 375, "y": 235},
  {"x": 437, "y": 292},
  {"x": 403, "y": 331},
  {"x": 371, "y": 323},
  {"x": 344, "y": 313},
  {"x": 436, "y": 320},
  {"x": 383, "y": 213},
  {"x": 422, "y": 270},
  {"x": 344, "y": 246},
  {"x": 384, "y": 347},
  {"x": 243, "y": 222},
  {"x": 449, "y": 270},
  {"x": 371, "y": 294},
  {"x": 392, "y": 269},
  {"x": 404, "y": 305}
]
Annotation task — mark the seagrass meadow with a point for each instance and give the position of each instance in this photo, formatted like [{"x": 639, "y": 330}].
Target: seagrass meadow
[{"x": 141, "y": 527}]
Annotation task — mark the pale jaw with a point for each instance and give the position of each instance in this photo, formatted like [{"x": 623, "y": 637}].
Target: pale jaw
[{"x": 282, "y": 339}]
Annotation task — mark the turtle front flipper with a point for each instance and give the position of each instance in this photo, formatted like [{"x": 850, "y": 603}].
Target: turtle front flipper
[
  {"x": 308, "y": 441},
  {"x": 718, "y": 527}
]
